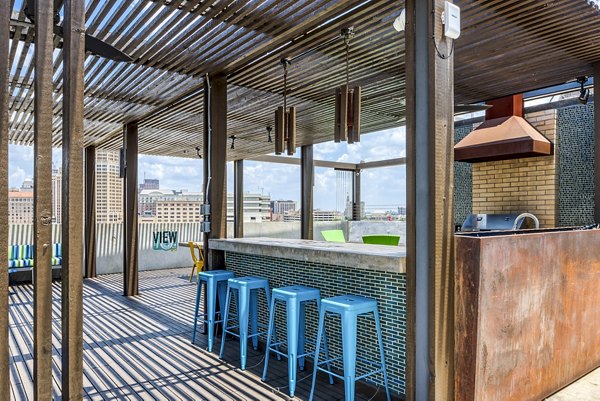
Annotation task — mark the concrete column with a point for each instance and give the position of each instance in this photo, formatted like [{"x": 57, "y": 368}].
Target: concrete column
[
  {"x": 238, "y": 199},
  {"x": 130, "y": 218},
  {"x": 307, "y": 179},
  {"x": 430, "y": 252},
  {"x": 215, "y": 172}
]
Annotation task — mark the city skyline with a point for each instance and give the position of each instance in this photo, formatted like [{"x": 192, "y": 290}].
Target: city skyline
[{"x": 382, "y": 188}]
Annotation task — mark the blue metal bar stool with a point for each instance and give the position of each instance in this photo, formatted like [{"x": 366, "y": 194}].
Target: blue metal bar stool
[
  {"x": 215, "y": 282},
  {"x": 247, "y": 306},
  {"x": 349, "y": 307},
  {"x": 295, "y": 298}
]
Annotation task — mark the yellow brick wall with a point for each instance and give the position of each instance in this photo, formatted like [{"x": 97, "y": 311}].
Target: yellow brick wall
[{"x": 521, "y": 185}]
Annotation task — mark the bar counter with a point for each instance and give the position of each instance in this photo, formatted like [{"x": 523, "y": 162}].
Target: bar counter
[
  {"x": 360, "y": 256},
  {"x": 375, "y": 271}
]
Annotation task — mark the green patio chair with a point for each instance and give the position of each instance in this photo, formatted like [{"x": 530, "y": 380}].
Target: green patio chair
[
  {"x": 381, "y": 239},
  {"x": 333, "y": 235}
]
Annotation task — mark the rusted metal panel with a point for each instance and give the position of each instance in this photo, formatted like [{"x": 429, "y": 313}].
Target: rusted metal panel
[
  {"x": 90, "y": 212},
  {"x": 530, "y": 306},
  {"x": 72, "y": 201},
  {"x": 42, "y": 201},
  {"x": 4, "y": 135},
  {"x": 291, "y": 131},
  {"x": 130, "y": 246}
]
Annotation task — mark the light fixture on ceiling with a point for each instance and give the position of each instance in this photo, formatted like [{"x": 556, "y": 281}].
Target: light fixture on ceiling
[
  {"x": 198, "y": 152},
  {"x": 285, "y": 120},
  {"x": 584, "y": 93},
  {"x": 269, "y": 138},
  {"x": 347, "y": 102},
  {"x": 232, "y": 137},
  {"x": 400, "y": 21}
]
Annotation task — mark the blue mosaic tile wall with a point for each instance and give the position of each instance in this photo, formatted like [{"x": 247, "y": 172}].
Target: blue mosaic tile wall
[
  {"x": 576, "y": 165},
  {"x": 388, "y": 288},
  {"x": 463, "y": 180}
]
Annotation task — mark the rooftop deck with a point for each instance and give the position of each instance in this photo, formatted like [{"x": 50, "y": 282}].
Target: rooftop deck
[{"x": 139, "y": 348}]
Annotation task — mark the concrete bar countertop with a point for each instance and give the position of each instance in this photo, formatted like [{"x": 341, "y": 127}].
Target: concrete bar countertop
[{"x": 360, "y": 256}]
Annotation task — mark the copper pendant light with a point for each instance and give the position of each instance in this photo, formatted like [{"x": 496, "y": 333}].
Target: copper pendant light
[
  {"x": 285, "y": 120},
  {"x": 347, "y": 102}
]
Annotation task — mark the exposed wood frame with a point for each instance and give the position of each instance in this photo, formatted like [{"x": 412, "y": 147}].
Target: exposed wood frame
[
  {"x": 307, "y": 179},
  {"x": 73, "y": 194},
  {"x": 130, "y": 218},
  {"x": 238, "y": 198},
  {"x": 90, "y": 212},
  {"x": 4, "y": 135},
  {"x": 430, "y": 252},
  {"x": 215, "y": 165},
  {"x": 42, "y": 201}
]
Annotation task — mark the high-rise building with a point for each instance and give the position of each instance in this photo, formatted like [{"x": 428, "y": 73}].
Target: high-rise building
[
  {"x": 109, "y": 188},
  {"x": 20, "y": 204},
  {"x": 168, "y": 206},
  {"x": 56, "y": 194},
  {"x": 282, "y": 206},
  {"x": 318, "y": 215},
  {"x": 256, "y": 208},
  {"x": 149, "y": 183}
]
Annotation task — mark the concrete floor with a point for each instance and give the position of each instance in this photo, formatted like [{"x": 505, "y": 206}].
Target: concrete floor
[{"x": 585, "y": 389}]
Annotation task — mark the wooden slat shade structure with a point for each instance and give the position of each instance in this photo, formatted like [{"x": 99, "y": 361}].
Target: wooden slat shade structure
[{"x": 246, "y": 40}]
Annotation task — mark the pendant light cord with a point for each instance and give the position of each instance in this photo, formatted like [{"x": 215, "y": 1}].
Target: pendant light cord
[
  {"x": 347, "y": 43},
  {"x": 284, "y": 62}
]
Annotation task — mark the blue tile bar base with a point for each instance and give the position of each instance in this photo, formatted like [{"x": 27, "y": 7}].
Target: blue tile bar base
[{"x": 388, "y": 288}]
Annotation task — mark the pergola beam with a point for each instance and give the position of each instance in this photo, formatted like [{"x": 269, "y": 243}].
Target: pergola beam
[
  {"x": 307, "y": 178},
  {"x": 72, "y": 201},
  {"x": 4, "y": 96},
  {"x": 42, "y": 201},
  {"x": 331, "y": 164},
  {"x": 130, "y": 218},
  {"x": 215, "y": 167},
  {"x": 430, "y": 189}
]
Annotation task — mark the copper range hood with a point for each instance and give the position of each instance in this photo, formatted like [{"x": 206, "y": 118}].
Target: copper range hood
[{"x": 504, "y": 135}]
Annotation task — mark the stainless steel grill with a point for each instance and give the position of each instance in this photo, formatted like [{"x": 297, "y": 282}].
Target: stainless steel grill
[{"x": 491, "y": 222}]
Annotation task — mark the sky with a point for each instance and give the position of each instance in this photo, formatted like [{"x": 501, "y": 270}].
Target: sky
[{"x": 382, "y": 189}]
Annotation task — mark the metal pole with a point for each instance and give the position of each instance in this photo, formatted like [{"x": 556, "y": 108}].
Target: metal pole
[
  {"x": 130, "y": 254},
  {"x": 90, "y": 212},
  {"x": 307, "y": 174},
  {"x": 238, "y": 199},
  {"x": 356, "y": 201},
  {"x": 72, "y": 201},
  {"x": 5, "y": 11},
  {"x": 42, "y": 198}
]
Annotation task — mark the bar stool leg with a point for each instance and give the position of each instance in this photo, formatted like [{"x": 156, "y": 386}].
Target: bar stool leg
[
  {"x": 301, "y": 333},
  {"x": 317, "y": 350},
  {"x": 210, "y": 311},
  {"x": 349, "y": 353},
  {"x": 254, "y": 317},
  {"x": 269, "y": 334},
  {"x": 225, "y": 318},
  {"x": 325, "y": 350},
  {"x": 243, "y": 324},
  {"x": 292, "y": 338},
  {"x": 198, "y": 290},
  {"x": 381, "y": 353}
]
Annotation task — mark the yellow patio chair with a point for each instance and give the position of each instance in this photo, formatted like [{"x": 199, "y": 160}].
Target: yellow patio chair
[{"x": 198, "y": 261}]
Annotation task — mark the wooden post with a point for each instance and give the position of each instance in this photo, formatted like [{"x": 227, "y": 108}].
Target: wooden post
[
  {"x": 90, "y": 212},
  {"x": 238, "y": 199},
  {"x": 307, "y": 174},
  {"x": 42, "y": 201},
  {"x": 356, "y": 201},
  {"x": 430, "y": 251},
  {"x": 130, "y": 248},
  {"x": 5, "y": 11},
  {"x": 597, "y": 142},
  {"x": 72, "y": 201},
  {"x": 215, "y": 177}
]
